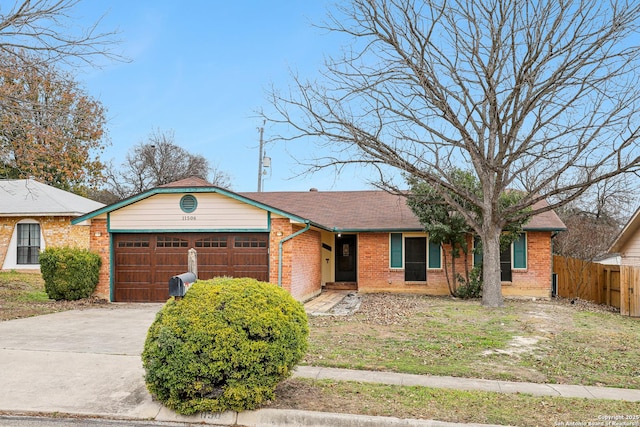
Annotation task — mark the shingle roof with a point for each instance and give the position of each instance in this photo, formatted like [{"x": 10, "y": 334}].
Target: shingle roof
[
  {"x": 29, "y": 197},
  {"x": 338, "y": 210},
  {"x": 344, "y": 210},
  {"x": 192, "y": 181},
  {"x": 368, "y": 210}
]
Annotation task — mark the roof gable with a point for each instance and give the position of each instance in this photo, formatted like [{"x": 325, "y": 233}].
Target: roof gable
[
  {"x": 629, "y": 231},
  {"x": 30, "y": 197}
]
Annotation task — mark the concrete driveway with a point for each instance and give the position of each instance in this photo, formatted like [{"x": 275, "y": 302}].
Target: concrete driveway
[{"x": 80, "y": 361}]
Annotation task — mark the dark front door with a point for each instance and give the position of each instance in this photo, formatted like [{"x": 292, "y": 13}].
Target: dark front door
[
  {"x": 415, "y": 263},
  {"x": 505, "y": 265},
  {"x": 346, "y": 258}
]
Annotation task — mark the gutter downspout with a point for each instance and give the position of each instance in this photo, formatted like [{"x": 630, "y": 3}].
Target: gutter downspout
[{"x": 281, "y": 242}]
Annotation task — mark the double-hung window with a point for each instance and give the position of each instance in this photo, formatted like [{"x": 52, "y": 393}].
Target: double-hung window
[{"x": 28, "y": 244}]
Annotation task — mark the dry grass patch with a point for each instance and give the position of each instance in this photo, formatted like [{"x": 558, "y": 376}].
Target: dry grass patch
[
  {"x": 446, "y": 405},
  {"x": 532, "y": 341},
  {"x": 23, "y": 295}
]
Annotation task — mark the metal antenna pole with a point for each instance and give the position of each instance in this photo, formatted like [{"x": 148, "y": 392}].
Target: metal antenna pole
[{"x": 261, "y": 130}]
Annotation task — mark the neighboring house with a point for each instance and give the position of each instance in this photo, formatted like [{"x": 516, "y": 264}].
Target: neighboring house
[
  {"x": 34, "y": 216},
  {"x": 626, "y": 246},
  {"x": 368, "y": 241}
]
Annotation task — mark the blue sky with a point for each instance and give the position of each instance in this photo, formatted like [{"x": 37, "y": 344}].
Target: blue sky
[{"x": 201, "y": 68}]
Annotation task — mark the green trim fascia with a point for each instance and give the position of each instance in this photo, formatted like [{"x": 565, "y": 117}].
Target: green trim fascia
[
  {"x": 189, "y": 230},
  {"x": 377, "y": 230},
  {"x": 112, "y": 269},
  {"x": 544, "y": 229},
  {"x": 181, "y": 190}
]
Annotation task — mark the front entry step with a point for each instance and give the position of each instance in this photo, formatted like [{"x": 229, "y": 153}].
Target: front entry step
[{"x": 341, "y": 286}]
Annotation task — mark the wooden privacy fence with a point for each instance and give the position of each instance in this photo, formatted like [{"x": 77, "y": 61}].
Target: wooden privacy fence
[{"x": 613, "y": 285}]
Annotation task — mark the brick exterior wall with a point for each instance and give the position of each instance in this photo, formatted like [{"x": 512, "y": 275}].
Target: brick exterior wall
[
  {"x": 99, "y": 238},
  {"x": 301, "y": 275},
  {"x": 280, "y": 228},
  {"x": 56, "y": 231},
  {"x": 306, "y": 275},
  {"x": 535, "y": 280},
  {"x": 375, "y": 275}
]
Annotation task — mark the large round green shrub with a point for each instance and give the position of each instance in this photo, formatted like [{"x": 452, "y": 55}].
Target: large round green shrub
[
  {"x": 224, "y": 346},
  {"x": 69, "y": 273}
]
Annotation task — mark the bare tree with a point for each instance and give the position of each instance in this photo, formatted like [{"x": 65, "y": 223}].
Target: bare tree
[
  {"x": 538, "y": 95},
  {"x": 47, "y": 29},
  {"x": 159, "y": 161}
]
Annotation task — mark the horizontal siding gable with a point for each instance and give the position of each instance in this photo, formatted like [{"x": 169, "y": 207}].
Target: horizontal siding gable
[{"x": 214, "y": 212}]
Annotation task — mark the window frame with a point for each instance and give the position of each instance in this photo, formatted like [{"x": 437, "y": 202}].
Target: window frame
[
  {"x": 32, "y": 255},
  {"x": 397, "y": 249},
  {"x": 430, "y": 246},
  {"x": 524, "y": 251}
]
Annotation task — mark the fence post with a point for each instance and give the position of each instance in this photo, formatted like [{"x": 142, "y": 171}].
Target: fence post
[
  {"x": 624, "y": 289},
  {"x": 607, "y": 279},
  {"x": 192, "y": 261}
]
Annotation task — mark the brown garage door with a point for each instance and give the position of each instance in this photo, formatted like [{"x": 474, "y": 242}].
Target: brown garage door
[{"x": 144, "y": 263}]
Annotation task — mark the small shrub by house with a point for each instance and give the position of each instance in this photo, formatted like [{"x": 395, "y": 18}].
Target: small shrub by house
[
  {"x": 69, "y": 273},
  {"x": 224, "y": 346}
]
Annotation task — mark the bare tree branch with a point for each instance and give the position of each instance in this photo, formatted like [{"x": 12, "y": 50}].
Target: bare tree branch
[
  {"x": 44, "y": 28},
  {"x": 540, "y": 96}
]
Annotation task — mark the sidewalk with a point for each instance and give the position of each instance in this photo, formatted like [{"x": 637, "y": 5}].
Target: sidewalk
[
  {"x": 470, "y": 384},
  {"x": 285, "y": 418}
]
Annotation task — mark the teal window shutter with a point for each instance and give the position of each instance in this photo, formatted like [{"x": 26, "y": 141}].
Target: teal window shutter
[
  {"x": 396, "y": 250},
  {"x": 477, "y": 251},
  {"x": 520, "y": 252},
  {"x": 434, "y": 255}
]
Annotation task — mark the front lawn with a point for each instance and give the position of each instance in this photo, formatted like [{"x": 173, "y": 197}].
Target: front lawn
[
  {"x": 23, "y": 295},
  {"x": 533, "y": 341}
]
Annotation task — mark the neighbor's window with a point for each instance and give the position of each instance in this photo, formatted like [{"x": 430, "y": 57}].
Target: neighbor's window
[{"x": 28, "y": 244}]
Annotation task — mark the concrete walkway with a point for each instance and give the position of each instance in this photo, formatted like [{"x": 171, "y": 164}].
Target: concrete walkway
[{"x": 323, "y": 303}]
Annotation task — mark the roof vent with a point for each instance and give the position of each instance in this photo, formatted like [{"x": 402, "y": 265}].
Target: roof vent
[
  {"x": 313, "y": 189},
  {"x": 188, "y": 203}
]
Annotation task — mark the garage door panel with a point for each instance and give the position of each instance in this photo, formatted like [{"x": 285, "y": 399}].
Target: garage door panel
[
  {"x": 253, "y": 259},
  {"x": 132, "y": 259},
  {"x": 133, "y": 276},
  {"x": 212, "y": 258},
  {"x": 145, "y": 263}
]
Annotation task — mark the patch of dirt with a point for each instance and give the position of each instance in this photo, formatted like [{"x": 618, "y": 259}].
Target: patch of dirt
[
  {"x": 518, "y": 345},
  {"x": 390, "y": 309},
  {"x": 18, "y": 309}
]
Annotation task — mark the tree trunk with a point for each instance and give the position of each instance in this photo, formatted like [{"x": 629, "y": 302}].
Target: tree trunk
[{"x": 491, "y": 283}]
